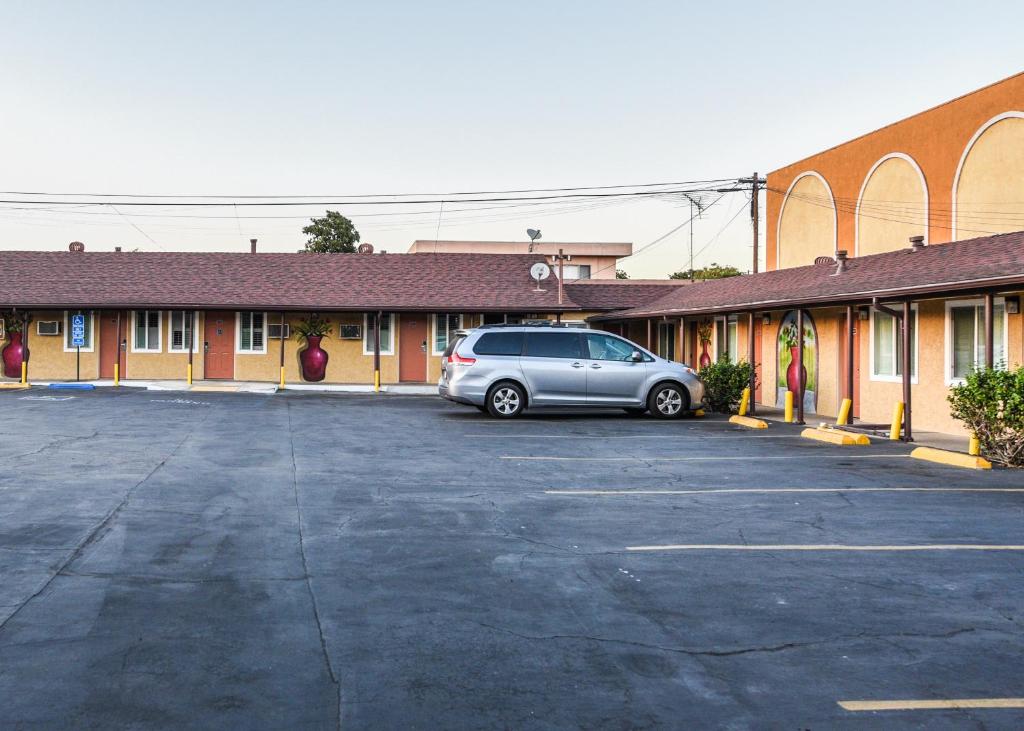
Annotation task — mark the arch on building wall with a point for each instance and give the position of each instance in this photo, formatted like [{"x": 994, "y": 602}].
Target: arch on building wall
[
  {"x": 982, "y": 130},
  {"x": 782, "y": 215},
  {"x": 864, "y": 186}
]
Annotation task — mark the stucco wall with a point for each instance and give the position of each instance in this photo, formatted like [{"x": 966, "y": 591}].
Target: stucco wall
[
  {"x": 891, "y": 209},
  {"x": 808, "y": 223},
  {"x": 990, "y": 189}
]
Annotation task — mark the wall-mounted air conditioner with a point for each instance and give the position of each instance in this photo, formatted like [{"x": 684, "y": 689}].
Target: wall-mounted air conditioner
[
  {"x": 48, "y": 327},
  {"x": 274, "y": 331},
  {"x": 350, "y": 332}
]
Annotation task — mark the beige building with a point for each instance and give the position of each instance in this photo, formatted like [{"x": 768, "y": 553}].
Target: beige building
[{"x": 587, "y": 260}]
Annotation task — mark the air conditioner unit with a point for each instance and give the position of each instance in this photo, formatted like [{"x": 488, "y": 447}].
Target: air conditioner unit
[
  {"x": 48, "y": 327},
  {"x": 350, "y": 332},
  {"x": 274, "y": 331}
]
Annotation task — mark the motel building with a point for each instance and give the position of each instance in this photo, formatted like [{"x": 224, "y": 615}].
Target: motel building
[
  {"x": 917, "y": 224},
  {"x": 233, "y": 317}
]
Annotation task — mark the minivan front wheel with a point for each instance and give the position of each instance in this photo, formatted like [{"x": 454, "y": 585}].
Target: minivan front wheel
[
  {"x": 667, "y": 401},
  {"x": 506, "y": 401}
]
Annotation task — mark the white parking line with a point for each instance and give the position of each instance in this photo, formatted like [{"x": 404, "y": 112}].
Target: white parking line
[
  {"x": 737, "y": 436},
  {"x": 699, "y": 459},
  {"x": 761, "y": 490},
  {"x": 825, "y": 547}
]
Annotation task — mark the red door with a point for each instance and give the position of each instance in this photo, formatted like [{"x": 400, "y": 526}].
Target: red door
[
  {"x": 412, "y": 348},
  {"x": 113, "y": 329},
  {"x": 219, "y": 339}
]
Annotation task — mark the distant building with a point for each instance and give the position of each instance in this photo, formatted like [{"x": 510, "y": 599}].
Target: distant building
[{"x": 590, "y": 260}]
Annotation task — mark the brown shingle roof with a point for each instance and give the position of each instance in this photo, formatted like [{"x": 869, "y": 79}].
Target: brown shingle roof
[
  {"x": 614, "y": 294},
  {"x": 990, "y": 261},
  {"x": 458, "y": 282}
]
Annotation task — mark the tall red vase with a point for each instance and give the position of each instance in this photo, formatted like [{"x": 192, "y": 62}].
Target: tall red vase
[
  {"x": 313, "y": 360},
  {"x": 705, "y": 358},
  {"x": 13, "y": 354},
  {"x": 791, "y": 379}
]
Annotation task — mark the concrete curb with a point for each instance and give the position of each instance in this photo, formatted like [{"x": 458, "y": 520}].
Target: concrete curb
[{"x": 953, "y": 459}]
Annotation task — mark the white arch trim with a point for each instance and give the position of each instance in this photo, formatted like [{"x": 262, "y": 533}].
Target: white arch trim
[
  {"x": 967, "y": 151},
  {"x": 864, "y": 185},
  {"x": 782, "y": 212}
]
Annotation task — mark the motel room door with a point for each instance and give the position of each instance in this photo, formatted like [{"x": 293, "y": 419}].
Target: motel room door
[
  {"x": 219, "y": 344},
  {"x": 110, "y": 342},
  {"x": 412, "y": 347}
]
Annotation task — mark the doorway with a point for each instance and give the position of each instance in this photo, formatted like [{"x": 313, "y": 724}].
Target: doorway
[
  {"x": 113, "y": 327},
  {"x": 219, "y": 344},
  {"x": 412, "y": 348}
]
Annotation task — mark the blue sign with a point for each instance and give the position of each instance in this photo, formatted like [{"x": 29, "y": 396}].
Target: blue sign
[{"x": 77, "y": 331}]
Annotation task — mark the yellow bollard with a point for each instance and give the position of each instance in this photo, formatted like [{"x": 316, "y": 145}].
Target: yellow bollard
[
  {"x": 844, "y": 413},
  {"x": 117, "y": 374},
  {"x": 974, "y": 447},
  {"x": 189, "y": 368},
  {"x": 281, "y": 385},
  {"x": 24, "y": 373},
  {"x": 789, "y": 407},
  {"x": 745, "y": 401},
  {"x": 897, "y": 421},
  {"x": 376, "y": 381}
]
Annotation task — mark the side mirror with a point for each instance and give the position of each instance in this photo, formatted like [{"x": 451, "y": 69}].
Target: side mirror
[{"x": 637, "y": 356}]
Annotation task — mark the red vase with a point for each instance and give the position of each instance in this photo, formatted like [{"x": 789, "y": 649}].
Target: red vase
[
  {"x": 791, "y": 379},
  {"x": 13, "y": 354},
  {"x": 313, "y": 359},
  {"x": 705, "y": 359}
]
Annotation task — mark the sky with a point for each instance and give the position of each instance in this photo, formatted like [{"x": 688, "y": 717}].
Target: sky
[{"x": 345, "y": 98}]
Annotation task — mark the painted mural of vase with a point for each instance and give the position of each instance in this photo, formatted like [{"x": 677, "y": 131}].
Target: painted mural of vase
[
  {"x": 13, "y": 354},
  {"x": 313, "y": 359},
  {"x": 705, "y": 357},
  {"x": 791, "y": 378}
]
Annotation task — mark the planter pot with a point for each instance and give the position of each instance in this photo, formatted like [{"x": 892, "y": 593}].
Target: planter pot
[
  {"x": 313, "y": 360},
  {"x": 794, "y": 385},
  {"x": 13, "y": 354},
  {"x": 705, "y": 358}
]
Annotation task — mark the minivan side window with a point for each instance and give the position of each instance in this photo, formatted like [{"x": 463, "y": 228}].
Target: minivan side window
[
  {"x": 553, "y": 345},
  {"x": 499, "y": 344},
  {"x": 605, "y": 347}
]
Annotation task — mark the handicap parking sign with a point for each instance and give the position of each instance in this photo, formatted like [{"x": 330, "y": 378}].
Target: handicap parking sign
[{"x": 77, "y": 331}]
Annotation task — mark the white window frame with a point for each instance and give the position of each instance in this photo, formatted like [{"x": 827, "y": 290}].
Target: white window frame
[
  {"x": 386, "y": 348},
  {"x": 898, "y": 334},
  {"x": 67, "y": 329},
  {"x": 238, "y": 335},
  {"x": 952, "y": 380},
  {"x": 433, "y": 331},
  {"x": 733, "y": 320},
  {"x": 170, "y": 332},
  {"x": 159, "y": 332}
]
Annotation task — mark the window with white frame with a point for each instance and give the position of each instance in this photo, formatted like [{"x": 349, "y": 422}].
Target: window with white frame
[
  {"x": 576, "y": 271},
  {"x": 182, "y": 329},
  {"x": 444, "y": 328},
  {"x": 966, "y": 336},
  {"x": 146, "y": 326},
  {"x": 387, "y": 334},
  {"x": 887, "y": 346},
  {"x": 667, "y": 340},
  {"x": 252, "y": 332},
  {"x": 89, "y": 330},
  {"x": 727, "y": 347}
]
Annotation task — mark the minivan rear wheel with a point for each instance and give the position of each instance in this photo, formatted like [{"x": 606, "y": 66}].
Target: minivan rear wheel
[
  {"x": 506, "y": 400},
  {"x": 667, "y": 401}
]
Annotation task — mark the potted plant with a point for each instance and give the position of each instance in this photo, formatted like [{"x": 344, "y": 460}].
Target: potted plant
[
  {"x": 704, "y": 336},
  {"x": 314, "y": 358},
  {"x": 14, "y": 353}
]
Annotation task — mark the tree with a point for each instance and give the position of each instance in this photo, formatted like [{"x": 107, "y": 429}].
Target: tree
[
  {"x": 621, "y": 274},
  {"x": 712, "y": 271},
  {"x": 332, "y": 234}
]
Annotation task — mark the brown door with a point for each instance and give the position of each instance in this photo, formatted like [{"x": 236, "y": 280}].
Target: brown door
[
  {"x": 113, "y": 329},
  {"x": 412, "y": 348},
  {"x": 219, "y": 344}
]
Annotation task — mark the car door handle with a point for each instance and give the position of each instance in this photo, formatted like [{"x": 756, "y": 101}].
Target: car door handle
[
  {"x": 577, "y": 365},
  {"x": 595, "y": 365}
]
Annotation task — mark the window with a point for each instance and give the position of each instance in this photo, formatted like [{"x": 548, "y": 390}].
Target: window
[
  {"x": 350, "y": 332},
  {"x": 147, "y": 331},
  {"x": 727, "y": 343},
  {"x": 887, "y": 347},
  {"x": 182, "y": 329},
  {"x": 605, "y": 347},
  {"x": 493, "y": 318},
  {"x": 553, "y": 345},
  {"x": 667, "y": 340},
  {"x": 444, "y": 328},
  {"x": 387, "y": 338},
  {"x": 576, "y": 271},
  {"x": 252, "y": 332},
  {"x": 966, "y": 336},
  {"x": 68, "y": 347},
  {"x": 499, "y": 343}
]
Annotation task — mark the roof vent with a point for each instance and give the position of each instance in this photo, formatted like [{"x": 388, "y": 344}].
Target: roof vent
[
  {"x": 840, "y": 262},
  {"x": 824, "y": 260},
  {"x": 117, "y": 249},
  {"x": 916, "y": 243},
  {"x": 252, "y": 246},
  {"x": 76, "y": 246},
  {"x": 365, "y": 248}
]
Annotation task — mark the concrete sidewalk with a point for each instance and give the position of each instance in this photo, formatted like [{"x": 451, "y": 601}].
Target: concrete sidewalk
[{"x": 260, "y": 387}]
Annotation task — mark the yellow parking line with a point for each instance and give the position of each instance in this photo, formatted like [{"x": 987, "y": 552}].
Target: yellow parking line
[
  {"x": 825, "y": 547},
  {"x": 758, "y": 490},
  {"x": 699, "y": 459},
  {"x": 923, "y": 705}
]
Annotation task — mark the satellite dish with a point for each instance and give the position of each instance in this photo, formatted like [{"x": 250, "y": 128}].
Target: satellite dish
[
  {"x": 533, "y": 233},
  {"x": 540, "y": 271},
  {"x": 365, "y": 248}
]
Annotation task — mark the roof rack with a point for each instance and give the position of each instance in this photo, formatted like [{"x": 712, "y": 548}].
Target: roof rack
[{"x": 533, "y": 323}]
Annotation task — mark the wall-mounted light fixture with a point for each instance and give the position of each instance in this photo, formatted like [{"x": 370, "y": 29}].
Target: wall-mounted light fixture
[
  {"x": 862, "y": 313},
  {"x": 766, "y": 318},
  {"x": 1012, "y": 305}
]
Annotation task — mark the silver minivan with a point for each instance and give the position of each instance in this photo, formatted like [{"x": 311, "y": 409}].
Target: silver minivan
[{"x": 504, "y": 369}]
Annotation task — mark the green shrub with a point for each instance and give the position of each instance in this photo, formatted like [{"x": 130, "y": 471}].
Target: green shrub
[
  {"x": 724, "y": 383},
  {"x": 990, "y": 403}
]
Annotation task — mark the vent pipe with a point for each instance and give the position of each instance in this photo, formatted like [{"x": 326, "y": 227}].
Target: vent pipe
[
  {"x": 840, "y": 261},
  {"x": 117, "y": 249},
  {"x": 916, "y": 243},
  {"x": 252, "y": 246}
]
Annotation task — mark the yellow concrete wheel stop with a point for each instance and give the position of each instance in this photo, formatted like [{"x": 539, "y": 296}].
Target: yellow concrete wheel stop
[
  {"x": 749, "y": 422},
  {"x": 834, "y": 436},
  {"x": 953, "y": 459}
]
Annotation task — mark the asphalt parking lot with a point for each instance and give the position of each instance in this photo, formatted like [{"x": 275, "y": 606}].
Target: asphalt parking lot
[{"x": 315, "y": 561}]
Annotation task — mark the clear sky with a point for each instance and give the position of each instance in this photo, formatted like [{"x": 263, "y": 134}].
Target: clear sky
[{"x": 378, "y": 97}]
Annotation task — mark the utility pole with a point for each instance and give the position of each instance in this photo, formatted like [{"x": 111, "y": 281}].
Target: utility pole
[
  {"x": 700, "y": 209},
  {"x": 756, "y": 183}
]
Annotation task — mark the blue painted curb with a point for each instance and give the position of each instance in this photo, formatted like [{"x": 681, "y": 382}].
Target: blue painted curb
[{"x": 73, "y": 386}]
